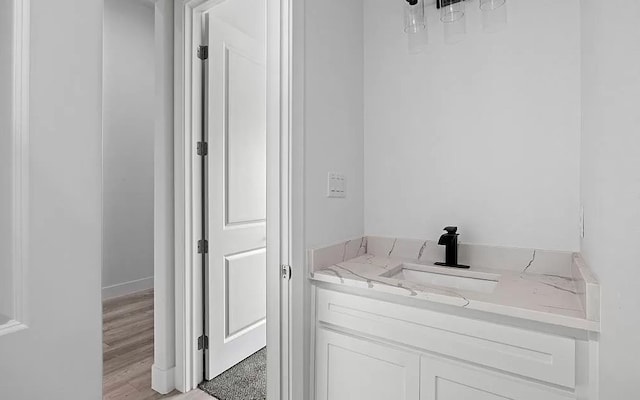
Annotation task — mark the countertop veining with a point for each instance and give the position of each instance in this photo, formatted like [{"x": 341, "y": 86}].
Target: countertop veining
[{"x": 560, "y": 292}]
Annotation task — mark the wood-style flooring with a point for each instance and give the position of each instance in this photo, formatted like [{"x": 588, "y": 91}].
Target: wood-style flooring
[{"x": 127, "y": 329}]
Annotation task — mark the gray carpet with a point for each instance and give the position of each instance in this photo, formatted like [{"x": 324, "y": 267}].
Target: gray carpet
[{"x": 244, "y": 381}]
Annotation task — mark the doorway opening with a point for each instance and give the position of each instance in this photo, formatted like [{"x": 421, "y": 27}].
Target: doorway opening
[
  {"x": 220, "y": 110},
  {"x": 232, "y": 168},
  {"x": 234, "y": 190},
  {"x": 128, "y": 198}
]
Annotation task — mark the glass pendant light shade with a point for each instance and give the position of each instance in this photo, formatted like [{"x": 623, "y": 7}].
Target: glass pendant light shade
[
  {"x": 414, "y": 16},
  {"x": 494, "y": 20},
  {"x": 455, "y": 32},
  {"x": 417, "y": 42},
  {"x": 489, "y": 5},
  {"x": 451, "y": 10}
]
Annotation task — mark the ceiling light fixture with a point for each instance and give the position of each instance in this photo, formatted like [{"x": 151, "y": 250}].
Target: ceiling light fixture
[
  {"x": 414, "y": 16},
  {"x": 490, "y": 5},
  {"x": 450, "y": 10}
]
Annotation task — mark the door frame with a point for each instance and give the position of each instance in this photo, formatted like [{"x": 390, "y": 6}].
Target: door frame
[
  {"x": 188, "y": 292},
  {"x": 20, "y": 175}
]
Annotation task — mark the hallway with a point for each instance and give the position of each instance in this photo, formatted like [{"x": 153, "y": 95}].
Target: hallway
[{"x": 128, "y": 350}]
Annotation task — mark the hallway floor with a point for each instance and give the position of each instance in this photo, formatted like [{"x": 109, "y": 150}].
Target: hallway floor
[{"x": 127, "y": 328}]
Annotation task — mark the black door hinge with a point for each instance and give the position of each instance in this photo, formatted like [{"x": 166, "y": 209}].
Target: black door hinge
[
  {"x": 203, "y": 342},
  {"x": 203, "y": 52},
  {"x": 203, "y": 148},
  {"x": 203, "y": 246}
]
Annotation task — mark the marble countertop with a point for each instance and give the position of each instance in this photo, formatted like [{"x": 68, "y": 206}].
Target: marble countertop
[{"x": 567, "y": 298}]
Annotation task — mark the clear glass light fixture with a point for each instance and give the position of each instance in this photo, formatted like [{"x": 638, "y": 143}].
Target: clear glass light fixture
[
  {"x": 490, "y": 5},
  {"x": 455, "y": 32},
  {"x": 451, "y": 10},
  {"x": 417, "y": 42},
  {"x": 493, "y": 19},
  {"x": 414, "y": 16}
]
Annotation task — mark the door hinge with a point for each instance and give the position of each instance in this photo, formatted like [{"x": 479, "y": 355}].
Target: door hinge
[
  {"x": 203, "y": 52},
  {"x": 286, "y": 271},
  {"x": 203, "y": 246},
  {"x": 203, "y": 148},
  {"x": 203, "y": 342}
]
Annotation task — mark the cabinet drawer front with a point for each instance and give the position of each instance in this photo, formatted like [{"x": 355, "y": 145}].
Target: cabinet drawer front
[
  {"x": 531, "y": 354},
  {"x": 350, "y": 368},
  {"x": 448, "y": 380}
]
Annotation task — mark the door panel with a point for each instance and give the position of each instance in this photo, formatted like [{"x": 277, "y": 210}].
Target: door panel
[
  {"x": 236, "y": 205},
  {"x": 442, "y": 379},
  {"x": 349, "y": 368},
  {"x": 457, "y": 391},
  {"x": 57, "y": 155},
  {"x": 246, "y": 151},
  {"x": 245, "y": 273}
]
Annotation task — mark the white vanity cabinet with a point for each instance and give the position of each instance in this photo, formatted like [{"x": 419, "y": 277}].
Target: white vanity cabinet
[
  {"x": 442, "y": 379},
  {"x": 349, "y": 368},
  {"x": 368, "y": 349}
]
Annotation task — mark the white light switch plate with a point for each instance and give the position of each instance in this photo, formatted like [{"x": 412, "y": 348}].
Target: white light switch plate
[{"x": 336, "y": 185}]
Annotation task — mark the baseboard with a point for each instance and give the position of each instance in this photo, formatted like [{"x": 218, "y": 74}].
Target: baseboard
[
  {"x": 11, "y": 327},
  {"x": 122, "y": 289},
  {"x": 163, "y": 380}
]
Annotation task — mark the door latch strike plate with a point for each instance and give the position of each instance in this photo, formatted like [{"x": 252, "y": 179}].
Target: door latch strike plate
[{"x": 286, "y": 271}]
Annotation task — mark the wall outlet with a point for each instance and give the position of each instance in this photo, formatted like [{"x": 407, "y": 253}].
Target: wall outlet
[
  {"x": 336, "y": 185},
  {"x": 581, "y": 224}
]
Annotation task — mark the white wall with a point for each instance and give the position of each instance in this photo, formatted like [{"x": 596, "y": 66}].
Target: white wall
[
  {"x": 6, "y": 160},
  {"x": 128, "y": 146},
  {"x": 333, "y": 118},
  {"x": 483, "y": 134},
  {"x": 332, "y": 89},
  {"x": 611, "y": 183},
  {"x": 59, "y": 355}
]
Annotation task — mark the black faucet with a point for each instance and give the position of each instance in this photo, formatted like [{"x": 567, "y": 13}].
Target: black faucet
[{"x": 450, "y": 240}]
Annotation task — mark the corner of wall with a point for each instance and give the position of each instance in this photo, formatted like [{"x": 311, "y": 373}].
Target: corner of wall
[{"x": 162, "y": 380}]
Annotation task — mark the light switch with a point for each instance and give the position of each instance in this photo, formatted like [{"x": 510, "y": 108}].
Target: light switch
[{"x": 336, "y": 185}]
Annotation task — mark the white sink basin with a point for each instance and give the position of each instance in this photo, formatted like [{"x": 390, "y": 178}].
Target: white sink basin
[{"x": 441, "y": 276}]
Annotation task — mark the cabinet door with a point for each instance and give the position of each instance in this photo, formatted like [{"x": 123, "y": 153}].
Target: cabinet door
[
  {"x": 442, "y": 379},
  {"x": 350, "y": 368}
]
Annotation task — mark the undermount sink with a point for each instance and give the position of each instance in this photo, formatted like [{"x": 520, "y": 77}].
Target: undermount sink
[{"x": 440, "y": 276}]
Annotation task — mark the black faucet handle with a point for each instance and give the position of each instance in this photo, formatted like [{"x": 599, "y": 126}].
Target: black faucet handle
[{"x": 451, "y": 230}]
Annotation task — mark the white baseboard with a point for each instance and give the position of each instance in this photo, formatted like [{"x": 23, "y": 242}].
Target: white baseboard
[
  {"x": 11, "y": 327},
  {"x": 162, "y": 380},
  {"x": 122, "y": 289}
]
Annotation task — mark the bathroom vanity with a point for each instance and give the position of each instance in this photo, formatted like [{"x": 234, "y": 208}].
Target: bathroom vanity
[{"x": 389, "y": 324}]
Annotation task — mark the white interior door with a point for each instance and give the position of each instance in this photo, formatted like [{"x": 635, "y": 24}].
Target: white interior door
[
  {"x": 50, "y": 201},
  {"x": 236, "y": 111}
]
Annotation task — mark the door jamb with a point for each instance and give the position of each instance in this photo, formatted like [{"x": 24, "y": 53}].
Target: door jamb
[
  {"x": 188, "y": 294},
  {"x": 188, "y": 297},
  {"x": 163, "y": 368},
  {"x": 20, "y": 185}
]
